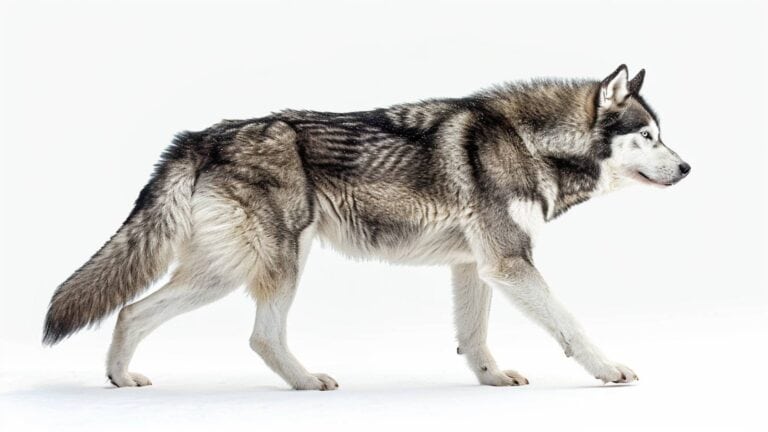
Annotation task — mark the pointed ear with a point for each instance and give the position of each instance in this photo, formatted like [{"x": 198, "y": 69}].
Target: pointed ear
[
  {"x": 637, "y": 82},
  {"x": 615, "y": 88}
]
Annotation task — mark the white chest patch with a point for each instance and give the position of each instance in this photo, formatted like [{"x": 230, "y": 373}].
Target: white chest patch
[{"x": 528, "y": 216}]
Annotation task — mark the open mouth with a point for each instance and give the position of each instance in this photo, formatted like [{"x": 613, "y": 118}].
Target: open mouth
[{"x": 647, "y": 179}]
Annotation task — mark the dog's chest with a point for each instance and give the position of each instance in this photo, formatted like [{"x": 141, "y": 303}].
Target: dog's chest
[{"x": 528, "y": 216}]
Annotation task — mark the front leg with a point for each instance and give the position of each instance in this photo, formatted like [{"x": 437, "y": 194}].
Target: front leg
[
  {"x": 521, "y": 282},
  {"x": 472, "y": 300}
]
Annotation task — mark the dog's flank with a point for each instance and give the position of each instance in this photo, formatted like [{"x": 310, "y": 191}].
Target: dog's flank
[{"x": 462, "y": 182}]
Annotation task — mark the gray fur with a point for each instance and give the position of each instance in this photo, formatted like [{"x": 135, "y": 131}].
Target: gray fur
[
  {"x": 427, "y": 182},
  {"x": 134, "y": 257}
]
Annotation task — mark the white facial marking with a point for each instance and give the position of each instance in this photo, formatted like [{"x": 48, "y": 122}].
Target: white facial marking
[
  {"x": 653, "y": 131},
  {"x": 639, "y": 157}
]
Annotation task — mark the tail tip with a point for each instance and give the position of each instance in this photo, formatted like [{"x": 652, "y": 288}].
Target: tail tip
[
  {"x": 52, "y": 336},
  {"x": 55, "y": 330}
]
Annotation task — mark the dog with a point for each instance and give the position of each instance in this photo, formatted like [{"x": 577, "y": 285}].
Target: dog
[{"x": 463, "y": 182}]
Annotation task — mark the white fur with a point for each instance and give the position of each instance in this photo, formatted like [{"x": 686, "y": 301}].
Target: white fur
[
  {"x": 212, "y": 264},
  {"x": 527, "y": 215},
  {"x": 522, "y": 284},
  {"x": 631, "y": 155},
  {"x": 205, "y": 274},
  {"x": 269, "y": 340},
  {"x": 472, "y": 302}
]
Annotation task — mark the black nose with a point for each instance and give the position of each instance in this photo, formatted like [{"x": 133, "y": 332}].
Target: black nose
[{"x": 685, "y": 168}]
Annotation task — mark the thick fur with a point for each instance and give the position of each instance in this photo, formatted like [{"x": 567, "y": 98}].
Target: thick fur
[
  {"x": 136, "y": 255},
  {"x": 461, "y": 182}
]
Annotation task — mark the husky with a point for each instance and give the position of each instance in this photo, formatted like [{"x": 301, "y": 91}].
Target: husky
[{"x": 463, "y": 182}]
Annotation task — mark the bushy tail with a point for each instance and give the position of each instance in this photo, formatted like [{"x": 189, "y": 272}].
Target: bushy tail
[{"x": 137, "y": 255}]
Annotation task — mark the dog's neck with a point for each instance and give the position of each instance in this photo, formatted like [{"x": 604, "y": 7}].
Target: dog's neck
[
  {"x": 554, "y": 119},
  {"x": 558, "y": 133}
]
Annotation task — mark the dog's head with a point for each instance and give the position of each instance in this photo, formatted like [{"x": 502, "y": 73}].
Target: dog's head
[{"x": 629, "y": 130}]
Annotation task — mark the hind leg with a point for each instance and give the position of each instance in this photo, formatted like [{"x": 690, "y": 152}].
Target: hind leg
[
  {"x": 182, "y": 294},
  {"x": 212, "y": 263},
  {"x": 274, "y": 289}
]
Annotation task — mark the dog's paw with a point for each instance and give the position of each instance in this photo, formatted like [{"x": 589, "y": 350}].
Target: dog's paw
[
  {"x": 502, "y": 378},
  {"x": 617, "y": 373},
  {"x": 129, "y": 379},
  {"x": 317, "y": 381}
]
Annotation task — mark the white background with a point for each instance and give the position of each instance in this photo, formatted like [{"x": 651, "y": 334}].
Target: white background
[{"x": 671, "y": 282}]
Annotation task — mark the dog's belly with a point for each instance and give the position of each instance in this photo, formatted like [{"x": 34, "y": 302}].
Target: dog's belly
[{"x": 396, "y": 242}]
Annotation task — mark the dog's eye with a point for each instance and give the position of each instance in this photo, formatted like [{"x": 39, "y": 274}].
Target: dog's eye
[{"x": 645, "y": 135}]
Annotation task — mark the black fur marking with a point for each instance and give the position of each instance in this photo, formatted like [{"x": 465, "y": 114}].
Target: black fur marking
[
  {"x": 648, "y": 108},
  {"x": 178, "y": 150},
  {"x": 636, "y": 83},
  {"x": 630, "y": 119}
]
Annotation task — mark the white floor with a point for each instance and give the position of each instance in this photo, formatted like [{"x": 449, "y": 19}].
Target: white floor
[{"x": 712, "y": 380}]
